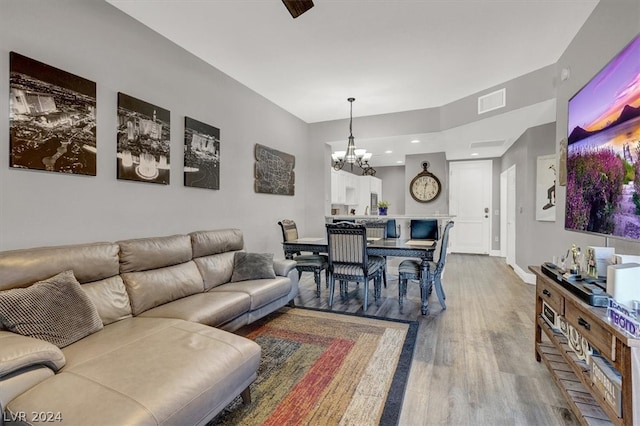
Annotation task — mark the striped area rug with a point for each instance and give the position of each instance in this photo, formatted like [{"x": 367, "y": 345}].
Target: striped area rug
[{"x": 326, "y": 368}]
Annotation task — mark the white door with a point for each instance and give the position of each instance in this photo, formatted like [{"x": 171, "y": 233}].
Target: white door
[{"x": 470, "y": 184}]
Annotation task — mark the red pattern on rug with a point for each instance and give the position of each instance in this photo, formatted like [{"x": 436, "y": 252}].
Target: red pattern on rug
[{"x": 299, "y": 402}]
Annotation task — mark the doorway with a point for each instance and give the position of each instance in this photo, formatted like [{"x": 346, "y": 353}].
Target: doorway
[{"x": 470, "y": 192}]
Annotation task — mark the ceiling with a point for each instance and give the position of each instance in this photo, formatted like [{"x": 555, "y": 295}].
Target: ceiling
[{"x": 391, "y": 55}]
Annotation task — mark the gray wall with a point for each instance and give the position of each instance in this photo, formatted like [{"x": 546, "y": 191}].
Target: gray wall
[
  {"x": 612, "y": 25},
  {"x": 392, "y": 183},
  {"x": 92, "y": 39},
  {"x": 532, "y": 236},
  {"x": 439, "y": 166}
]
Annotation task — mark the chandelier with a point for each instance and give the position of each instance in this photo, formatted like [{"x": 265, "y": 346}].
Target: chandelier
[{"x": 352, "y": 155}]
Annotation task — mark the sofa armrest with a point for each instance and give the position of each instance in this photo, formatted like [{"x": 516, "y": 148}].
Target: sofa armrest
[
  {"x": 282, "y": 267},
  {"x": 19, "y": 352}
]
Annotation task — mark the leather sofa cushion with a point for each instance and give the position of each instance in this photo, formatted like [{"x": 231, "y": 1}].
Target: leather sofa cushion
[
  {"x": 156, "y": 252},
  {"x": 146, "y": 371},
  {"x": 206, "y": 243},
  {"x": 215, "y": 269},
  {"x": 155, "y": 287},
  {"x": 89, "y": 262},
  {"x": 261, "y": 292},
  {"x": 214, "y": 309},
  {"x": 110, "y": 298}
]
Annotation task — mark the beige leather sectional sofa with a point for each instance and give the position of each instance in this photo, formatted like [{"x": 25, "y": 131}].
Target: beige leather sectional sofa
[{"x": 165, "y": 353}]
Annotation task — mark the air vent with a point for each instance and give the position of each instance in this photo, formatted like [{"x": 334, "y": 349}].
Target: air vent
[
  {"x": 492, "y": 101},
  {"x": 486, "y": 144}
]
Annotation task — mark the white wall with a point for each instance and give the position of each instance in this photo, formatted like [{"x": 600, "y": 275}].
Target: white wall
[{"x": 94, "y": 40}]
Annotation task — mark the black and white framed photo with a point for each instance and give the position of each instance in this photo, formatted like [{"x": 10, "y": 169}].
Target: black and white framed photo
[
  {"x": 143, "y": 141},
  {"x": 52, "y": 118},
  {"x": 201, "y": 155},
  {"x": 546, "y": 188}
]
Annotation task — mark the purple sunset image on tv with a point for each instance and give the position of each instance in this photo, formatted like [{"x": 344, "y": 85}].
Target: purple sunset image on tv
[{"x": 603, "y": 154}]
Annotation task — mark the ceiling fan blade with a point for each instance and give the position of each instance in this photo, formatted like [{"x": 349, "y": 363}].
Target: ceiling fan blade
[{"x": 297, "y": 7}]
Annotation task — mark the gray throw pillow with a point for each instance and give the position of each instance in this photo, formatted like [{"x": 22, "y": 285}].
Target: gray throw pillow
[
  {"x": 56, "y": 310},
  {"x": 252, "y": 266}
]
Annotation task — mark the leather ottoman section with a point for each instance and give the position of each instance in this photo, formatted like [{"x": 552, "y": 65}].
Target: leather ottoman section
[
  {"x": 261, "y": 292},
  {"x": 212, "y": 309},
  {"x": 178, "y": 373}
]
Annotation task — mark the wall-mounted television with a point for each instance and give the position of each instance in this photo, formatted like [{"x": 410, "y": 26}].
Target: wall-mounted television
[{"x": 603, "y": 150}]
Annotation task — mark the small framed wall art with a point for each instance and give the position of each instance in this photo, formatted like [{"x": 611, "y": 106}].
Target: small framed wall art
[
  {"x": 52, "y": 118},
  {"x": 143, "y": 141},
  {"x": 201, "y": 154}
]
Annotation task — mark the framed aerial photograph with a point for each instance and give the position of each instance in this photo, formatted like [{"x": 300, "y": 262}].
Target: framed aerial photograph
[
  {"x": 274, "y": 171},
  {"x": 52, "y": 118},
  {"x": 143, "y": 141},
  {"x": 201, "y": 155}
]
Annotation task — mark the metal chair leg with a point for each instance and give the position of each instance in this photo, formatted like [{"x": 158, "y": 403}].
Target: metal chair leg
[
  {"x": 316, "y": 276},
  {"x": 332, "y": 286},
  {"x": 440, "y": 292}
]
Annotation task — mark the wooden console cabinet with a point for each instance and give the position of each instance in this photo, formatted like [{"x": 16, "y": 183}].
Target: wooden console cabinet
[{"x": 571, "y": 374}]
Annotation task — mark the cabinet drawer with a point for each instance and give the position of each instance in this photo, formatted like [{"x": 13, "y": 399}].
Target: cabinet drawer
[
  {"x": 587, "y": 326},
  {"x": 550, "y": 295}
]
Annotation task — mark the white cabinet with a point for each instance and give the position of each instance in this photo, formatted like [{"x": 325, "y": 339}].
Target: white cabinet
[
  {"x": 338, "y": 188},
  {"x": 354, "y": 191}
]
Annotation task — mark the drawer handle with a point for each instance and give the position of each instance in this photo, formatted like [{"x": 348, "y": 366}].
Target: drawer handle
[
  {"x": 584, "y": 323},
  {"x": 546, "y": 292}
]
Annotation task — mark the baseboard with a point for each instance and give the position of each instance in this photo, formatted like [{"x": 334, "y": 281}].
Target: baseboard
[
  {"x": 527, "y": 277},
  {"x": 495, "y": 253}
]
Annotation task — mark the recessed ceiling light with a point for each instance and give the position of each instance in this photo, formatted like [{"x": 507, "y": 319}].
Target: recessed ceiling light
[
  {"x": 399, "y": 161},
  {"x": 415, "y": 141},
  {"x": 474, "y": 154},
  {"x": 388, "y": 152}
]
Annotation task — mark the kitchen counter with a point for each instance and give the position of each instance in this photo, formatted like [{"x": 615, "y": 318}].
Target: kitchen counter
[{"x": 390, "y": 216}]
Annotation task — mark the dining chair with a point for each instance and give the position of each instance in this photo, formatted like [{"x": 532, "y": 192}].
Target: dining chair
[
  {"x": 410, "y": 270},
  {"x": 424, "y": 229},
  {"x": 376, "y": 229},
  {"x": 315, "y": 262},
  {"x": 393, "y": 230},
  {"x": 349, "y": 261}
]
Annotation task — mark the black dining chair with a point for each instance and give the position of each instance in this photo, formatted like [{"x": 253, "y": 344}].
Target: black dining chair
[
  {"x": 393, "y": 230},
  {"x": 410, "y": 270},
  {"x": 315, "y": 263},
  {"x": 349, "y": 261},
  {"x": 424, "y": 229}
]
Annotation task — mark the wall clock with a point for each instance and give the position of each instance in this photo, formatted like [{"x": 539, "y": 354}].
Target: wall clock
[{"x": 425, "y": 186}]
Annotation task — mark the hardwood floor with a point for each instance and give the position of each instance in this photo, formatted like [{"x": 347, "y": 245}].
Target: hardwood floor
[{"x": 474, "y": 362}]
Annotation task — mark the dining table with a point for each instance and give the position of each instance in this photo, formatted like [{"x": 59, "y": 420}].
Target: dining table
[{"x": 421, "y": 249}]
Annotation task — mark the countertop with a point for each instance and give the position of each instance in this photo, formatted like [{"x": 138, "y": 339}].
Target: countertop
[{"x": 391, "y": 216}]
